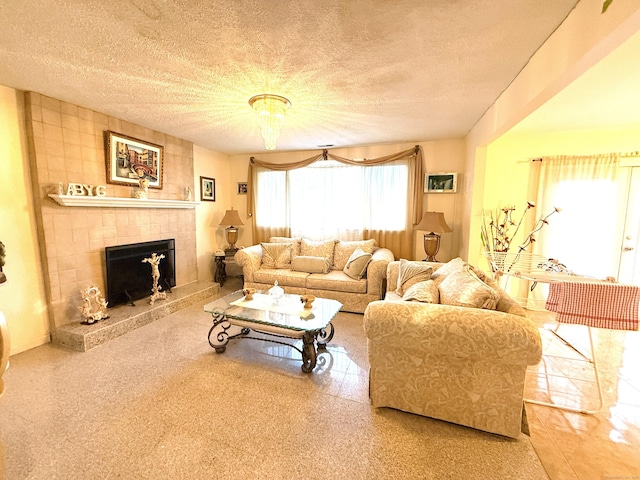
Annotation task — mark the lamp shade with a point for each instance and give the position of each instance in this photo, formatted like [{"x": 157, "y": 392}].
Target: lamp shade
[
  {"x": 433, "y": 222},
  {"x": 231, "y": 217}
]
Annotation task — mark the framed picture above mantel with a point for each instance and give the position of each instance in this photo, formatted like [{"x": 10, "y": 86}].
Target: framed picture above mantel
[
  {"x": 130, "y": 160},
  {"x": 440, "y": 182}
]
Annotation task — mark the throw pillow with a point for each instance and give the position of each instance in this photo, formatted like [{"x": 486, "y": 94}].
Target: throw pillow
[
  {"x": 411, "y": 273},
  {"x": 463, "y": 288},
  {"x": 276, "y": 255},
  {"x": 343, "y": 251},
  {"x": 426, "y": 292},
  {"x": 449, "y": 267},
  {"x": 356, "y": 266},
  {"x": 294, "y": 241},
  {"x": 310, "y": 248},
  {"x": 303, "y": 263},
  {"x": 505, "y": 302}
]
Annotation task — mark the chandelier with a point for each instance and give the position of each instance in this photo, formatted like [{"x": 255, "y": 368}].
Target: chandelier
[{"x": 270, "y": 110}]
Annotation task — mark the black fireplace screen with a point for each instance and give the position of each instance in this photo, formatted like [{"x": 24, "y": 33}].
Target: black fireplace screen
[{"x": 129, "y": 279}]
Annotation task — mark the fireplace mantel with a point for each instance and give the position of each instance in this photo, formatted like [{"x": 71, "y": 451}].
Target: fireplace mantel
[{"x": 95, "y": 201}]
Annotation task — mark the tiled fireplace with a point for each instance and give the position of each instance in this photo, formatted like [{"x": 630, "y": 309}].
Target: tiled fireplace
[{"x": 67, "y": 144}]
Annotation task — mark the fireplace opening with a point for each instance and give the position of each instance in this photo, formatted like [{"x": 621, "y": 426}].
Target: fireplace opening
[{"x": 129, "y": 279}]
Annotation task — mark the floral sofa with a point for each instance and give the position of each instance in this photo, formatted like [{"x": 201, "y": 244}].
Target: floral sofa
[
  {"x": 448, "y": 343},
  {"x": 352, "y": 272}
]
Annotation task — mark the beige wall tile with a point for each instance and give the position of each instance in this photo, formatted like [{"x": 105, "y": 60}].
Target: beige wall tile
[{"x": 69, "y": 145}]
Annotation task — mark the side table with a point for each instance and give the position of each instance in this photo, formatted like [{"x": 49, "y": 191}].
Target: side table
[
  {"x": 221, "y": 274},
  {"x": 222, "y": 260}
]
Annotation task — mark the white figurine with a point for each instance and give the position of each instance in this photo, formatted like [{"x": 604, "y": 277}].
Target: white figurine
[
  {"x": 154, "y": 261},
  {"x": 143, "y": 189}
]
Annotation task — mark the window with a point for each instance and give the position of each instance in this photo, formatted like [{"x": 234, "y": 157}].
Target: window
[{"x": 328, "y": 199}]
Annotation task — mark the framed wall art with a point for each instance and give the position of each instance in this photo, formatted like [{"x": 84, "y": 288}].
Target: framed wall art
[
  {"x": 242, "y": 188},
  {"x": 208, "y": 189},
  {"x": 440, "y": 182},
  {"x": 129, "y": 160}
]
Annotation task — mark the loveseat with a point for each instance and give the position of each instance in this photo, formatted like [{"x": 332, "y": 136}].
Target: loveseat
[
  {"x": 457, "y": 362},
  {"x": 352, "y": 272}
]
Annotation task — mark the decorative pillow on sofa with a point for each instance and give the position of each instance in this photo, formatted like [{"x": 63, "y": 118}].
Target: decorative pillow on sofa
[
  {"x": 310, "y": 248},
  {"x": 411, "y": 273},
  {"x": 426, "y": 292},
  {"x": 356, "y": 266},
  {"x": 294, "y": 241},
  {"x": 505, "y": 302},
  {"x": 303, "y": 263},
  {"x": 276, "y": 255},
  {"x": 343, "y": 251},
  {"x": 463, "y": 288},
  {"x": 451, "y": 266}
]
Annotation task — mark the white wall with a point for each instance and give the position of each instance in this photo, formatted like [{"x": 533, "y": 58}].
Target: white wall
[
  {"x": 22, "y": 297},
  {"x": 209, "y": 234}
]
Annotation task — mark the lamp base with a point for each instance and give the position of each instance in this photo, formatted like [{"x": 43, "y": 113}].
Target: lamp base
[
  {"x": 431, "y": 246},
  {"x": 232, "y": 238}
]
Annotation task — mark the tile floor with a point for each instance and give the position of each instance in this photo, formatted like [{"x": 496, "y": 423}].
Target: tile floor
[
  {"x": 158, "y": 403},
  {"x": 605, "y": 445}
]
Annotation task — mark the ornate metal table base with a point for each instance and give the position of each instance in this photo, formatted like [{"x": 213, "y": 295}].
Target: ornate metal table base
[{"x": 310, "y": 338}]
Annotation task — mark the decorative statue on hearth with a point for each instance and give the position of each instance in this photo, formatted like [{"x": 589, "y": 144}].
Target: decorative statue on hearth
[
  {"x": 94, "y": 306},
  {"x": 3, "y": 277},
  {"x": 154, "y": 261}
]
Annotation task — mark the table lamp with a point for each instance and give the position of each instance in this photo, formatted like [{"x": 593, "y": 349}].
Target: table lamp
[
  {"x": 434, "y": 223},
  {"x": 231, "y": 218}
]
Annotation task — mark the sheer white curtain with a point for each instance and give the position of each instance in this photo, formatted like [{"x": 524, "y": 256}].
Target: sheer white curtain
[
  {"x": 591, "y": 192},
  {"x": 328, "y": 199},
  {"x": 586, "y": 235},
  {"x": 271, "y": 193}
]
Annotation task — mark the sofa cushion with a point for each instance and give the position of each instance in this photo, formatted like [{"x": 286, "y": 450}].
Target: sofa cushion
[
  {"x": 343, "y": 251},
  {"x": 337, "y": 281},
  {"x": 276, "y": 255},
  {"x": 285, "y": 277},
  {"x": 294, "y": 241},
  {"x": 410, "y": 273},
  {"x": 426, "y": 292},
  {"x": 303, "y": 263},
  {"x": 463, "y": 288},
  {"x": 325, "y": 249},
  {"x": 451, "y": 266},
  {"x": 356, "y": 266}
]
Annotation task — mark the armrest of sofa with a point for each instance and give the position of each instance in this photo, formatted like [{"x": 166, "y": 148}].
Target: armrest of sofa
[
  {"x": 453, "y": 331},
  {"x": 377, "y": 270},
  {"x": 250, "y": 259}
]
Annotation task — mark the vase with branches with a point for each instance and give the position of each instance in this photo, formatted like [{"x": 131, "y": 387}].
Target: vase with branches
[{"x": 501, "y": 226}]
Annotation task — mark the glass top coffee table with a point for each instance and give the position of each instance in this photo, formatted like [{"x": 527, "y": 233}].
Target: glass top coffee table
[{"x": 284, "y": 318}]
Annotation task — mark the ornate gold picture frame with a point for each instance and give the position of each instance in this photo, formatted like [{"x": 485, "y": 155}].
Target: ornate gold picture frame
[{"x": 129, "y": 160}]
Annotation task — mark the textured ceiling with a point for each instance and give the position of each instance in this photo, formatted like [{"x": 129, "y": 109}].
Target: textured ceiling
[{"x": 356, "y": 72}]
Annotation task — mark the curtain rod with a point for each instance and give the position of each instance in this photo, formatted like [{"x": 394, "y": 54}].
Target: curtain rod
[{"x": 635, "y": 154}]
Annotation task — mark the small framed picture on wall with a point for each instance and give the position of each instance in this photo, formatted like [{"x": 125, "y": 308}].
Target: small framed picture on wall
[
  {"x": 440, "y": 182},
  {"x": 242, "y": 188},
  {"x": 208, "y": 189}
]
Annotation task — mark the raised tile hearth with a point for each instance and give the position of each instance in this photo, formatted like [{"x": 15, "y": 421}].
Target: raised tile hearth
[{"x": 126, "y": 318}]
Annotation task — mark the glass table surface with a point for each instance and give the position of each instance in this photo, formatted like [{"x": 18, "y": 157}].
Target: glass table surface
[{"x": 288, "y": 313}]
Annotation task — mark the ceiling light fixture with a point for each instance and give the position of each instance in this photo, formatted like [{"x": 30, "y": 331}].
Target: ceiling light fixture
[{"x": 270, "y": 110}]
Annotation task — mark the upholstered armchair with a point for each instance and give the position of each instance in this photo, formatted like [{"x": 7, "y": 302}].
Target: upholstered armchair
[{"x": 459, "y": 364}]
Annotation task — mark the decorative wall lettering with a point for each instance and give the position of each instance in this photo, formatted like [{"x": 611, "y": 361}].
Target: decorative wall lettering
[{"x": 84, "y": 190}]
